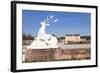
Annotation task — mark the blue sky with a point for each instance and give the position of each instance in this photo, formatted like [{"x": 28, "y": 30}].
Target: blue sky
[{"x": 68, "y": 22}]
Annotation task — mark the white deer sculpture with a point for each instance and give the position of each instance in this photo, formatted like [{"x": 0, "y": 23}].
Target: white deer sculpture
[{"x": 44, "y": 40}]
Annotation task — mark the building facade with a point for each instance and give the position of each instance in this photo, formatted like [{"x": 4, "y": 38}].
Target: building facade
[{"x": 72, "y": 38}]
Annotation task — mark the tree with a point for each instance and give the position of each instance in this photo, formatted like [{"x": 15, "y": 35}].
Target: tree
[{"x": 27, "y": 37}]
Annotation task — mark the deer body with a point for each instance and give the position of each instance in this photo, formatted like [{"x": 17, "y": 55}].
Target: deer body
[
  {"x": 44, "y": 40},
  {"x": 42, "y": 29}
]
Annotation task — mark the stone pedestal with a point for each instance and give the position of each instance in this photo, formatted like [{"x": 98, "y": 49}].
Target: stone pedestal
[{"x": 38, "y": 55}]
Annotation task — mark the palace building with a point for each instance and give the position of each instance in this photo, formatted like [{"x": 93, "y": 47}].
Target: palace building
[{"x": 72, "y": 38}]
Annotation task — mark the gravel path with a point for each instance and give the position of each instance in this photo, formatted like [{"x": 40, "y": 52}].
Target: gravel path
[{"x": 70, "y": 46}]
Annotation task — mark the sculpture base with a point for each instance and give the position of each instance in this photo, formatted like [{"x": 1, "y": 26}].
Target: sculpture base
[
  {"x": 44, "y": 41},
  {"x": 42, "y": 44}
]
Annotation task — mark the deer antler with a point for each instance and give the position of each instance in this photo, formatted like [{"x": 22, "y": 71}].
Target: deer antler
[{"x": 50, "y": 18}]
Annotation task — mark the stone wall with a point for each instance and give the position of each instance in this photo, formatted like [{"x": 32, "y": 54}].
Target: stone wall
[{"x": 38, "y": 55}]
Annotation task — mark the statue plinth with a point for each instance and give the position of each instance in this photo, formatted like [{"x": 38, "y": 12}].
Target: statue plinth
[{"x": 44, "y": 42}]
